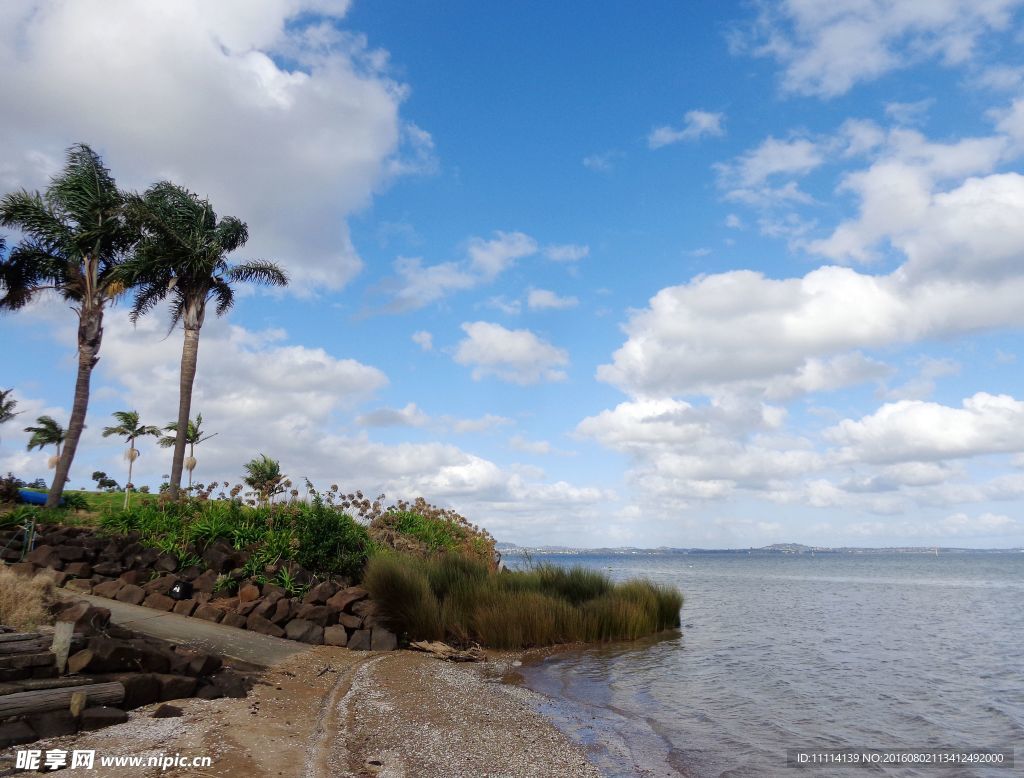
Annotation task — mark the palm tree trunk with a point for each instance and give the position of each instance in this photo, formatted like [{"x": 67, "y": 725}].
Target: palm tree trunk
[
  {"x": 90, "y": 335},
  {"x": 189, "y": 359},
  {"x": 131, "y": 463}
]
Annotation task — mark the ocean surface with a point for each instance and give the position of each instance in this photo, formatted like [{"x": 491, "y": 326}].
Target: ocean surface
[{"x": 797, "y": 651}]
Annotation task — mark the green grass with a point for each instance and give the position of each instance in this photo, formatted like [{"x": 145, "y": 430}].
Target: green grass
[{"x": 464, "y": 601}]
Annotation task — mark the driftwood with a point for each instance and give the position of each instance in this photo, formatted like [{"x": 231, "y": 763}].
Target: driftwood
[
  {"x": 26, "y": 646},
  {"x": 15, "y": 661},
  {"x": 43, "y": 700},
  {"x": 31, "y": 684},
  {"x": 444, "y": 651},
  {"x": 14, "y": 637}
]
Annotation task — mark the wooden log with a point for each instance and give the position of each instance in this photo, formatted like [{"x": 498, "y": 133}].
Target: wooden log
[
  {"x": 27, "y": 660},
  {"x": 42, "y": 700},
  {"x": 13, "y": 637},
  {"x": 31, "y": 684},
  {"x": 25, "y": 647}
]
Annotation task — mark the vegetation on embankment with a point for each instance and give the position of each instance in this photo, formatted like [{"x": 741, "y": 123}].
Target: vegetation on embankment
[
  {"x": 432, "y": 574},
  {"x": 451, "y": 597}
]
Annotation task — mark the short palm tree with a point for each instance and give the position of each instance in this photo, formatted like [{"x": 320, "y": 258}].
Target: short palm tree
[
  {"x": 47, "y": 432},
  {"x": 193, "y": 437},
  {"x": 264, "y": 476},
  {"x": 182, "y": 254},
  {"x": 128, "y": 427},
  {"x": 7, "y": 405},
  {"x": 74, "y": 239}
]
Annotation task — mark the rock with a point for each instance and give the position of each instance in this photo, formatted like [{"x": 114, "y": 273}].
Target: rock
[
  {"x": 205, "y": 582},
  {"x": 335, "y": 636},
  {"x": 15, "y": 733},
  {"x": 273, "y": 591},
  {"x": 191, "y": 572},
  {"x": 87, "y": 618},
  {"x": 383, "y": 640},
  {"x": 166, "y": 563},
  {"x": 304, "y": 631},
  {"x": 131, "y": 593},
  {"x": 185, "y": 607},
  {"x": 360, "y": 640},
  {"x": 364, "y": 608},
  {"x": 139, "y": 688},
  {"x": 54, "y": 723},
  {"x": 209, "y": 692},
  {"x": 283, "y": 610},
  {"x": 160, "y": 602},
  {"x": 346, "y": 597},
  {"x": 80, "y": 585},
  {"x": 134, "y": 577},
  {"x": 351, "y": 621},
  {"x": 108, "y": 588},
  {"x": 200, "y": 663},
  {"x": 160, "y": 585},
  {"x": 232, "y": 619},
  {"x": 176, "y": 687},
  {"x": 216, "y": 560},
  {"x": 104, "y": 655},
  {"x": 232, "y": 684},
  {"x": 248, "y": 593},
  {"x": 209, "y": 613},
  {"x": 45, "y": 556},
  {"x": 320, "y": 593},
  {"x": 248, "y": 607},
  {"x": 71, "y": 553},
  {"x": 166, "y": 711},
  {"x": 226, "y": 603},
  {"x": 202, "y": 598},
  {"x": 111, "y": 568},
  {"x": 101, "y": 716},
  {"x": 263, "y": 626},
  {"x": 23, "y": 568},
  {"x": 78, "y": 569},
  {"x": 324, "y": 615}
]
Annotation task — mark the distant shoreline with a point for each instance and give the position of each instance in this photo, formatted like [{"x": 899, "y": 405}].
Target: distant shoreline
[{"x": 508, "y": 549}]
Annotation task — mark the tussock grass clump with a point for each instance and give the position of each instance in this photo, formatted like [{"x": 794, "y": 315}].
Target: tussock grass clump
[
  {"x": 25, "y": 603},
  {"x": 462, "y": 600}
]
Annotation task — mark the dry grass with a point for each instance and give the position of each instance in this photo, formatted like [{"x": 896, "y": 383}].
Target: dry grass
[{"x": 25, "y": 602}]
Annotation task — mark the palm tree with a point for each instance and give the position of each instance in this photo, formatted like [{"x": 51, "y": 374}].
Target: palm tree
[
  {"x": 128, "y": 427},
  {"x": 7, "y": 402},
  {"x": 74, "y": 239},
  {"x": 264, "y": 475},
  {"x": 48, "y": 432},
  {"x": 182, "y": 254},
  {"x": 193, "y": 437}
]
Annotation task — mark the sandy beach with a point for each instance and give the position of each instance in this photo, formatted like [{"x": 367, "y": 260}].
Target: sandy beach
[{"x": 333, "y": 712}]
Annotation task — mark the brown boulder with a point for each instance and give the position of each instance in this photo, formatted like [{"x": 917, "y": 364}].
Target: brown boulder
[
  {"x": 209, "y": 613},
  {"x": 248, "y": 593},
  {"x": 108, "y": 588},
  {"x": 359, "y": 640},
  {"x": 320, "y": 593},
  {"x": 45, "y": 556},
  {"x": 185, "y": 607},
  {"x": 87, "y": 618},
  {"x": 304, "y": 631},
  {"x": 134, "y": 577},
  {"x": 160, "y": 602},
  {"x": 346, "y": 597},
  {"x": 131, "y": 593},
  {"x": 176, "y": 687},
  {"x": 324, "y": 615},
  {"x": 335, "y": 636},
  {"x": 80, "y": 585},
  {"x": 383, "y": 640},
  {"x": 232, "y": 619},
  {"x": 351, "y": 621},
  {"x": 78, "y": 569},
  {"x": 283, "y": 610},
  {"x": 263, "y": 626}
]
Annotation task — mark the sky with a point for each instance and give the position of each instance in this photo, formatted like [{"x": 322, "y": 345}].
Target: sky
[{"x": 593, "y": 274}]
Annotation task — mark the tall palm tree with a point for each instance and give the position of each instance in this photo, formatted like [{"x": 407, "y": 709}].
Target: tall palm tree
[
  {"x": 182, "y": 254},
  {"x": 74, "y": 239},
  {"x": 7, "y": 404},
  {"x": 128, "y": 427},
  {"x": 47, "y": 432},
  {"x": 193, "y": 437}
]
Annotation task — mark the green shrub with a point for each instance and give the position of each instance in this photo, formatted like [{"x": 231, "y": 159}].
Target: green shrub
[
  {"x": 424, "y": 530},
  {"x": 330, "y": 541}
]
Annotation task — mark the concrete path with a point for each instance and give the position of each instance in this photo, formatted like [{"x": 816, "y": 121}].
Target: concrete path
[{"x": 252, "y": 647}]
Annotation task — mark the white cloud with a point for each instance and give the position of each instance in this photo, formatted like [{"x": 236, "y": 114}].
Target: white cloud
[
  {"x": 772, "y": 157},
  {"x": 409, "y": 416},
  {"x": 423, "y": 339},
  {"x": 519, "y": 443},
  {"x": 566, "y": 252},
  {"x": 909, "y": 113},
  {"x": 825, "y": 49},
  {"x": 516, "y": 356},
  {"x": 417, "y": 285},
  {"x": 601, "y": 163},
  {"x": 182, "y": 82},
  {"x": 545, "y": 299},
  {"x": 696, "y": 125},
  {"x": 734, "y": 222},
  {"x": 914, "y": 430}
]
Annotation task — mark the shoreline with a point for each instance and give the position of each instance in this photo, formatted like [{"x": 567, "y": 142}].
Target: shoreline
[{"x": 334, "y": 712}]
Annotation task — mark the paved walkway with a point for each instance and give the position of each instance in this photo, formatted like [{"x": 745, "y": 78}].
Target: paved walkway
[{"x": 252, "y": 647}]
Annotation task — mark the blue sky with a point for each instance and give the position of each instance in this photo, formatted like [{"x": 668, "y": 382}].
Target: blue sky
[{"x": 713, "y": 274}]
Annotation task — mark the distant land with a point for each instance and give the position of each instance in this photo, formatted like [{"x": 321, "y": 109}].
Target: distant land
[{"x": 511, "y": 549}]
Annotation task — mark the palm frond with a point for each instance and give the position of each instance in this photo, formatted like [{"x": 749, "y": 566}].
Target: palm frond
[{"x": 258, "y": 271}]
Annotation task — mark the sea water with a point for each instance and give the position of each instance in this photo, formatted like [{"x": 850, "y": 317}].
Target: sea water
[{"x": 880, "y": 651}]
